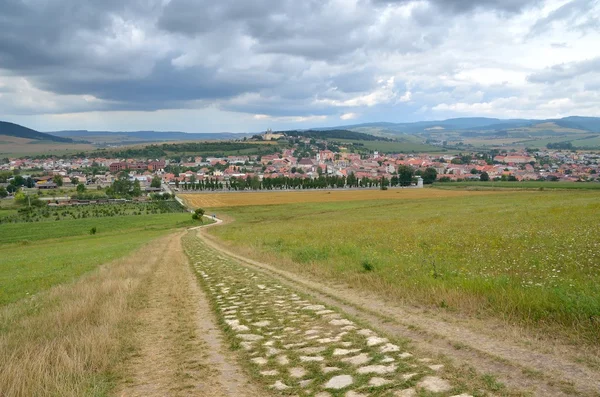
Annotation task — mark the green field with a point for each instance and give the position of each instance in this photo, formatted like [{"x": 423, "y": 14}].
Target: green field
[
  {"x": 53, "y": 214},
  {"x": 405, "y": 146},
  {"x": 533, "y": 185},
  {"x": 37, "y": 256},
  {"x": 531, "y": 258}
]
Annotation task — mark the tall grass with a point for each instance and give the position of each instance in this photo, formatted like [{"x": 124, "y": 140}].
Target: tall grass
[
  {"x": 531, "y": 258},
  {"x": 69, "y": 340}
]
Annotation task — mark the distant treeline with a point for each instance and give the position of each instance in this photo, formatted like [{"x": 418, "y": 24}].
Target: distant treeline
[
  {"x": 336, "y": 134},
  {"x": 560, "y": 145},
  {"x": 200, "y": 148}
]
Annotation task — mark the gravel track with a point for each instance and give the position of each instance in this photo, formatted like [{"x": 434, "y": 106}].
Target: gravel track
[{"x": 295, "y": 345}]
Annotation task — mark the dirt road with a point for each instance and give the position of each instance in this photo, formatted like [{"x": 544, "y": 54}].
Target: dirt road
[
  {"x": 522, "y": 371},
  {"x": 256, "y": 330},
  {"x": 180, "y": 349}
]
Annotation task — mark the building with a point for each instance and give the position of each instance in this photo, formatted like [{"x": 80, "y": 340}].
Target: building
[{"x": 269, "y": 135}]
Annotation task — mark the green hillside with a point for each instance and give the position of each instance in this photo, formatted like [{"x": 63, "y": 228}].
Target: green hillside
[{"x": 16, "y": 130}]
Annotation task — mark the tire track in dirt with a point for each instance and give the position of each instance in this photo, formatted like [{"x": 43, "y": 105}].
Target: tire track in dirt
[
  {"x": 534, "y": 372},
  {"x": 180, "y": 351}
]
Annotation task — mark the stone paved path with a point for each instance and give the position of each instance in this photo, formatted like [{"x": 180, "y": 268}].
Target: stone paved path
[{"x": 297, "y": 346}]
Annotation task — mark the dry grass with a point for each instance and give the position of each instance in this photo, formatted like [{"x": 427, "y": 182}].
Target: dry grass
[
  {"x": 69, "y": 340},
  {"x": 237, "y": 199},
  {"x": 172, "y": 355}
]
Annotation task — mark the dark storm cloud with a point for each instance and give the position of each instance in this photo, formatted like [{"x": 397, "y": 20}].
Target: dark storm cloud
[
  {"x": 462, "y": 6},
  {"x": 193, "y": 17},
  {"x": 276, "y": 57}
]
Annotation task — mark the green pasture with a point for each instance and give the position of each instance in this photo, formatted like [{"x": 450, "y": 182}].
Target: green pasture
[
  {"x": 529, "y": 257},
  {"x": 37, "y": 256}
]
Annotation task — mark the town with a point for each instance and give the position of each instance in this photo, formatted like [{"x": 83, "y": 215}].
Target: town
[{"x": 317, "y": 164}]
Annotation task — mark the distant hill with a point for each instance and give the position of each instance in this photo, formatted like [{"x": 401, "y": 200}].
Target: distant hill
[
  {"x": 335, "y": 134},
  {"x": 585, "y": 124},
  {"x": 16, "y": 130},
  {"x": 591, "y": 124}
]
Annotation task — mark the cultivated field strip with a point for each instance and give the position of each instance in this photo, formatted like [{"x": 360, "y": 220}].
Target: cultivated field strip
[{"x": 296, "y": 346}]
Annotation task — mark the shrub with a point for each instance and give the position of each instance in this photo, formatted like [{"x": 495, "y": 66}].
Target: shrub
[{"x": 367, "y": 265}]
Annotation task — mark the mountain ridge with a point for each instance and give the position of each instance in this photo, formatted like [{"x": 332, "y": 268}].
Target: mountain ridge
[
  {"x": 591, "y": 124},
  {"x": 19, "y": 131}
]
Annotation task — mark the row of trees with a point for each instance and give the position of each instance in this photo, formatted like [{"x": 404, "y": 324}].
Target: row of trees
[{"x": 404, "y": 177}]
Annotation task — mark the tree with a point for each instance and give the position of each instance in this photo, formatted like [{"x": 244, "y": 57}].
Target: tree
[
  {"x": 198, "y": 214},
  {"x": 405, "y": 175},
  {"x": 80, "y": 188},
  {"x": 384, "y": 183},
  {"x": 17, "y": 181},
  {"x": 137, "y": 189},
  {"x": 3, "y": 192},
  {"x": 58, "y": 179},
  {"x": 484, "y": 176},
  {"x": 429, "y": 176},
  {"x": 155, "y": 182}
]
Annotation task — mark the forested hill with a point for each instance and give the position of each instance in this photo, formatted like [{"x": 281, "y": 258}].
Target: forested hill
[
  {"x": 19, "y": 131},
  {"x": 336, "y": 134}
]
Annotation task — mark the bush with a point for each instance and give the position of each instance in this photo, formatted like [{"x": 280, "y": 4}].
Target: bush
[
  {"x": 367, "y": 265},
  {"x": 93, "y": 230}
]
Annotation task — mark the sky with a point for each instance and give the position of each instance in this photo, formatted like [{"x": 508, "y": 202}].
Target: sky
[{"x": 245, "y": 66}]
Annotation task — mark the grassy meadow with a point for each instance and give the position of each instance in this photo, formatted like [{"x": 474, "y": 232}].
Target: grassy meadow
[
  {"x": 69, "y": 299},
  {"x": 37, "y": 256},
  {"x": 529, "y": 257}
]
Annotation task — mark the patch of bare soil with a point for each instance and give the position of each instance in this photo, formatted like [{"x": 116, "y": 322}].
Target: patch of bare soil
[
  {"x": 180, "y": 351},
  {"x": 489, "y": 347}
]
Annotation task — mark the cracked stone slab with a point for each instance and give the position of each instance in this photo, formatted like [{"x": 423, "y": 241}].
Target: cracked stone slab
[
  {"x": 250, "y": 337},
  {"x": 406, "y": 393},
  {"x": 344, "y": 352},
  {"x": 389, "y": 348},
  {"x": 360, "y": 359},
  {"x": 434, "y": 384},
  {"x": 375, "y": 340},
  {"x": 279, "y": 385},
  {"x": 307, "y": 359},
  {"x": 377, "y": 369},
  {"x": 377, "y": 382},
  {"x": 297, "y": 372},
  {"x": 339, "y": 382}
]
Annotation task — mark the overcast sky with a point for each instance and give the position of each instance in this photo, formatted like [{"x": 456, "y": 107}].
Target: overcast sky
[{"x": 233, "y": 65}]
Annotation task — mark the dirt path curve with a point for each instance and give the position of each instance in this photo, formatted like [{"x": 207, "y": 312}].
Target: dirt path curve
[
  {"x": 180, "y": 347},
  {"x": 533, "y": 372}
]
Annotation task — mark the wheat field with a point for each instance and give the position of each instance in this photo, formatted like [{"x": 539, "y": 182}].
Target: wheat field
[{"x": 237, "y": 199}]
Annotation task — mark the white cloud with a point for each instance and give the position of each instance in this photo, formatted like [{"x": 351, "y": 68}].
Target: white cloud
[{"x": 349, "y": 116}]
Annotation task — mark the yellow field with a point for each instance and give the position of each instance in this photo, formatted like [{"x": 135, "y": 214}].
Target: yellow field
[{"x": 237, "y": 199}]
